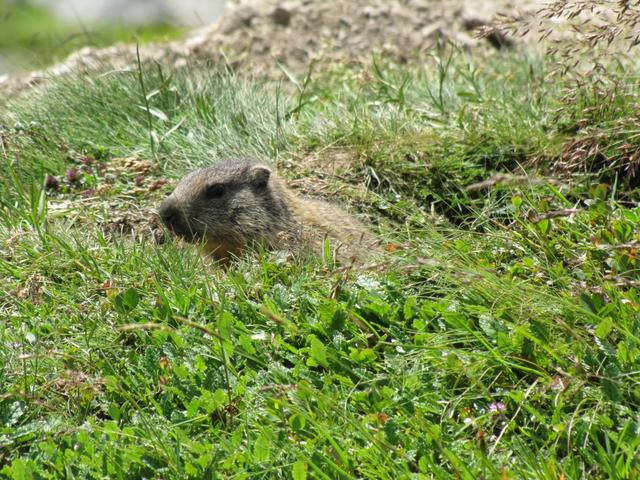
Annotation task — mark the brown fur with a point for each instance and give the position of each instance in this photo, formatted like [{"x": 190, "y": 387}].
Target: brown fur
[{"x": 237, "y": 204}]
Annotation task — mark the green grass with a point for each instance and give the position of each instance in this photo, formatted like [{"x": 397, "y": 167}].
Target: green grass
[
  {"x": 34, "y": 38},
  {"x": 500, "y": 341}
]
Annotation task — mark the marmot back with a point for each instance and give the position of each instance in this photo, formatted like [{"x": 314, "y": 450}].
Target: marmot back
[{"x": 237, "y": 204}]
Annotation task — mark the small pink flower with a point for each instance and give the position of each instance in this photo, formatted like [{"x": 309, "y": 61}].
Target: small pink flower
[
  {"x": 72, "y": 175},
  {"x": 497, "y": 408},
  {"x": 88, "y": 161},
  {"x": 558, "y": 384}
]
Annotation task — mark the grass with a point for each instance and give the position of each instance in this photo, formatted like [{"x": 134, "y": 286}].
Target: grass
[{"x": 501, "y": 341}]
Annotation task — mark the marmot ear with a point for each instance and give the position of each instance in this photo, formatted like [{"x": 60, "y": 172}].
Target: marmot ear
[{"x": 259, "y": 176}]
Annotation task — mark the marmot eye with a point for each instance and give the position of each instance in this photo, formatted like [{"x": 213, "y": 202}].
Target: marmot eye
[{"x": 215, "y": 191}]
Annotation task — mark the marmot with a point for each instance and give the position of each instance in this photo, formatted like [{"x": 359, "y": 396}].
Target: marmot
[{"x": 236, "y": 204}]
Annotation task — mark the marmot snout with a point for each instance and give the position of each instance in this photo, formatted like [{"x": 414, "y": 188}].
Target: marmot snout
[{"x": 239, "y": 203}]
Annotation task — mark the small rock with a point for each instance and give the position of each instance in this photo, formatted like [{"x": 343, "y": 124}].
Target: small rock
[
  {"x": 51, "y": 183},
  {"x": 472, "y": 23},
  {"x": 495, "y": 38},
  {"x": 245, "y": 14},
  {"x": 473, "y": 19},
  {"x": 372, "y": 12},
  {"x": 281, "y": 16},
  {"x": 461, "y": 39},
  {"x": 418, "y": 5},
  {"x": 180, "y": 63},
  {"x": 499, "y": 40},
  {"x": 478, "y": 10},
  {"x": 110, "y": 178},
  {"x": 241, "y": 16},
  {"x": 433, "y": 30},
  {"x": 158, "y": 236}
]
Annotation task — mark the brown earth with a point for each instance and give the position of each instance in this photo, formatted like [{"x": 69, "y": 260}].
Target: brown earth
[{"x": 265, "y": 37}]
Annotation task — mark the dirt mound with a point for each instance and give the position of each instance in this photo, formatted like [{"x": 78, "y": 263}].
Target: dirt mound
[
  {"x": 257, "y": 36},
  {"x": 260, "y": 34}
]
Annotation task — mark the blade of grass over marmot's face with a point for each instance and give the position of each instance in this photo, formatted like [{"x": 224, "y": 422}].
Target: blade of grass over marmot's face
[{"x": 239, "y": 203}]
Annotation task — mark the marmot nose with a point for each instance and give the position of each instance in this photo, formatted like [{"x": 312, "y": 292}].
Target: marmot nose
[{"x": 168, "y": 213}]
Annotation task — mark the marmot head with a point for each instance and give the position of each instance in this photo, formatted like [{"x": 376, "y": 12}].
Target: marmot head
[{"x": 228, "y": 205}]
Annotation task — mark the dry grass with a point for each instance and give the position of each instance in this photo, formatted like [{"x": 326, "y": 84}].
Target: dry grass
[{"x": 577, "y": 32}]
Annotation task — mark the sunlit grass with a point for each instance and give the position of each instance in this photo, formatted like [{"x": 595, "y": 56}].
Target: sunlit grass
[{"x": 500, "y": 339}]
